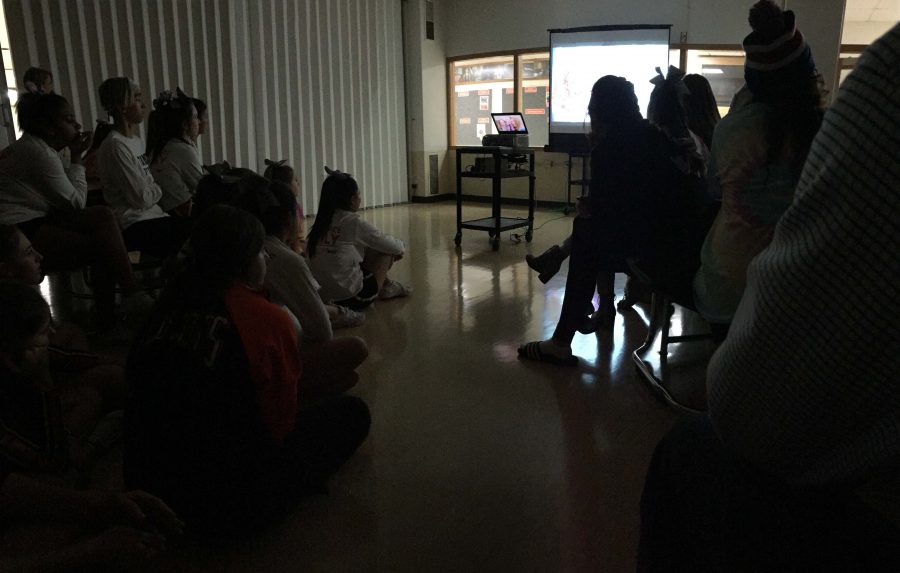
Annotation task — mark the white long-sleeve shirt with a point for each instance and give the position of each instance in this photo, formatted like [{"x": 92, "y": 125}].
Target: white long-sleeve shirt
[
  {"x": 177, "y": 171},
  {"x": 290, "y": 283},
  {"x": 805, "y": 386},
  {"x": 128, "y": 186},
  {"x": 33, "y": 181},
  {"x": 338, "y": 254}
]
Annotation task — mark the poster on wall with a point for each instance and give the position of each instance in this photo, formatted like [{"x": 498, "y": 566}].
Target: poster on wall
[{"x": 470, "y": 107}]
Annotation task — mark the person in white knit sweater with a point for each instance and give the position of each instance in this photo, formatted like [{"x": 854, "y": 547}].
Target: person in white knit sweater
[{"x": 797, "y": 466}]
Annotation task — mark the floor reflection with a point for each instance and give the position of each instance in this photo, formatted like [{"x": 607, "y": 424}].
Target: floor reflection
[{"x": 478, "y": 461}]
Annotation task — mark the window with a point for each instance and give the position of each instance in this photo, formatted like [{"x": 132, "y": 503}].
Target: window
[
  {"x": 534, "y": 96},
  {"x": 11, "y": 82},
  {"x": 848, "y": 59},
  {"x": 499, "y": 83},
  {"x": 520, "y": 81}
]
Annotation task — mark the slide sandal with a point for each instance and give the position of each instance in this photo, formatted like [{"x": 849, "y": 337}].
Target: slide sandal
[{"x": 532, "y": 351}]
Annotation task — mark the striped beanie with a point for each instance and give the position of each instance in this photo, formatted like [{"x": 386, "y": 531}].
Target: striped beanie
[{"x": 777, "y": 56}]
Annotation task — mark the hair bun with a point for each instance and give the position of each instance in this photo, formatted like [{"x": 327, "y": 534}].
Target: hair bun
[{"x": 767, "y": 19}]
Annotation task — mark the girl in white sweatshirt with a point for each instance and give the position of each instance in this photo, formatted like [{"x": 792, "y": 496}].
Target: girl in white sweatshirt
[
  {"x": 349, "y": 257},
  {"x": 128, "y": 186}
]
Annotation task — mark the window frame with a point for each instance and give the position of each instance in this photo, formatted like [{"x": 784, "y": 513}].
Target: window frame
[{"x": 517, "y": 85}]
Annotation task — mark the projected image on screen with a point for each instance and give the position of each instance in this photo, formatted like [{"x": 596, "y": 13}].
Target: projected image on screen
[
  {"x": 578, "y": 58},
  {"x": 575, "y": 69}
]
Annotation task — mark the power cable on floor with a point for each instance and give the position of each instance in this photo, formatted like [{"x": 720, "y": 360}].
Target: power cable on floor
[{"x": 517, "y": 237}]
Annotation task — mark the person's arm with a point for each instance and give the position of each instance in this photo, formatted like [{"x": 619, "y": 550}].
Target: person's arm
[
  {"x": 61, "y": 189},
  {"x": 373, "y": 238},
  {"x": 128, "y": 175},
  {"x": 191, "y": 168},
  {"x": 291, "y": 282}
]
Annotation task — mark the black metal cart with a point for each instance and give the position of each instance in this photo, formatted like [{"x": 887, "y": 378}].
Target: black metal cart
[{"x": 497, "y": 171}]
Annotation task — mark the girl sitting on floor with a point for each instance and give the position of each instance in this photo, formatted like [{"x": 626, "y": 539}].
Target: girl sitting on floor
[
  {"x": 282, "y": 172},
  {"x": 128, "y": 185},
  {"x": 348, "y": 256},
  {"x": 214, "y": 424},
  {"x": 329, "y": 363},
  {"x": 53, "y": 527},
  {"x": 174, "y": 159}
]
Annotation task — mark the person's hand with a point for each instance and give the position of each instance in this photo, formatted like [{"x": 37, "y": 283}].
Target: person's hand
[
  {"x": 137, "y": 509},
  {"x": 122, "y": 546},
  {"x": 160, "y": 515},
  {"x": 81, "y": 144}
]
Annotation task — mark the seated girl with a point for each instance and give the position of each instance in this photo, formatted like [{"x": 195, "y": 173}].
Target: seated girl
[
  {"x": 90, "y": 386},
  {"x": 47, "y": 201},
  {"x": 52, "y": 527},
  {"x": 282, "y": 172},
  {"x": 329, "y": 363},
  {"x": 214, "y": 424},
  {"x": 128, "y": 185},
  {"x": 348, "y": 256},
  {"x": 48, "y": 424},
  {"x": 174, "y": 159}
]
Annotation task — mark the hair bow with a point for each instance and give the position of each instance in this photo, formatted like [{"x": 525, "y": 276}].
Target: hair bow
[{"x": 337, "y": 173}]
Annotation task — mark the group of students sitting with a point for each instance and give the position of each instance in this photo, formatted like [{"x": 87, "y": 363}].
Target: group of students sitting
[
  {"x": 232, "y": 401},
  {"x": 681, "y": 201},
  {"x": 795, "y": 465}
]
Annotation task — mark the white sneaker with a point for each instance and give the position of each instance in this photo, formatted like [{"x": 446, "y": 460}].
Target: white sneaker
[
  {"x": 393, "y": 289},
  {"x": 347, "y": 318}
]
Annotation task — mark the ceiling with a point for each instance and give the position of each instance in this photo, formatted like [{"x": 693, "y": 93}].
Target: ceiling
[{"x": 872, "y": 11}]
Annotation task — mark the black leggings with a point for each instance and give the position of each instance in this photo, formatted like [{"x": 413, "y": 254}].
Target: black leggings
[{"x": 161, "y": 237}]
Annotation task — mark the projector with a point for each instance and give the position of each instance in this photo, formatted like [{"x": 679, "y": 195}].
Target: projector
[{"x": 505, "y": 140}]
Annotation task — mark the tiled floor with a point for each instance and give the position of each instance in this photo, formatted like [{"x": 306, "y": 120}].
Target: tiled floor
[{"x": 476, "y": 461}]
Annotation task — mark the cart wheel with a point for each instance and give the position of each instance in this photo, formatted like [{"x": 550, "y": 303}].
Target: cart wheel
[
  {"x": 529, "y": 235},
  {"x": 457, "y": 239},
  {"x": 566, "y": 210},
  {"x": 491, "y": 234},
  {"x": 495, "y": 243}
]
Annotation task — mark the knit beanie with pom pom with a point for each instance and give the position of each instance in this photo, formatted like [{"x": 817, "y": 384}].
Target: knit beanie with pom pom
[{"x": 778, "y": 58}]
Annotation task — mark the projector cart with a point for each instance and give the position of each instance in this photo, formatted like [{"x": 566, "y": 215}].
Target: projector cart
[{"x": 495, "y": 224}]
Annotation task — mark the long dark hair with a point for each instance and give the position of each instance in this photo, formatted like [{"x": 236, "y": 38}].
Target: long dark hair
[
  {"x": 337, "y": 193},
  {"x": 279, "y": 171},
  {"x": 795, "y": 119},
  {"x": 167, "y": 120},
  {"x": 700, "y": 106}
]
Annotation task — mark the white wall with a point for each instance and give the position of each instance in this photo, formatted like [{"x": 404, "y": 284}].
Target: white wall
[
  {"x": 865, "y": 32},
  {"x": 426, "y": 81},
  {"x": 482, "y": 26},
  {"x": 821, "y": 22}
]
